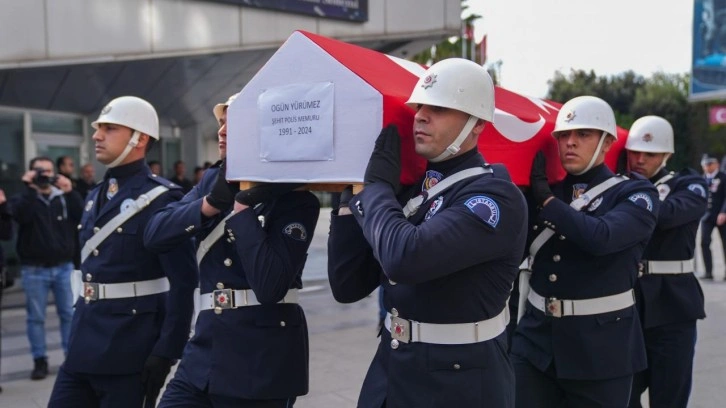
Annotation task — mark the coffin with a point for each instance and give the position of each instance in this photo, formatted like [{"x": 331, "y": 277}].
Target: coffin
[{"x": 312, "y": 113}]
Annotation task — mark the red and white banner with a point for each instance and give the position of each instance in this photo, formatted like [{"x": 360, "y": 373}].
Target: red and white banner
[{"x": 717, "y": 115}]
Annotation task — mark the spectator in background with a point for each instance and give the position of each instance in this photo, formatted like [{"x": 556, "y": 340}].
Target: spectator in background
[
  {"x": 47, "y": 214},
  {"x": 207, "y": 165},
  {"x": 67, "y": 167},
  {"x": 179, "y": 176},
  {"x": 198, "y": 174},
  {"x": 6, "y": 233},
  {"x": 155, "y": 167},
  {"x": 87, "y": 181},
  {"x": 715, "y": 216}
]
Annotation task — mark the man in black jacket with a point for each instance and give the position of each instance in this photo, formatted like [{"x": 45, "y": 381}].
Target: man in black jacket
[
  {"x": 715, "y": 212},
  {"x": 47, "y": 214}
]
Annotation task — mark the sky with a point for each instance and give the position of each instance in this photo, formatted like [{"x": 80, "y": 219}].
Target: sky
[{"x": 535, "y": 38}]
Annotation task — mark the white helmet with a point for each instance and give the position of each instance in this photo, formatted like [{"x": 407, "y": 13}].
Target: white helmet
[
  {"x": 586, "y": 112},
  {"x": 651, "y": 134},
  {"x": 460, "y": 84},
  {"x": 131, "y": 112},
  {"x": 219, "y": 108},
  {"x": 456, "y": 83}
]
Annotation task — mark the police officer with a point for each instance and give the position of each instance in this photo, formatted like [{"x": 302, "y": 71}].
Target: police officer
[
  {"x": 132, "y": 319},
  {"x": 579, "y": 340},
  {"x": 250, "y": 346},
  {"x": 715, "y": 216},
  {"x": 668, "y": 295},
  {"x": 446, "y": 260}
]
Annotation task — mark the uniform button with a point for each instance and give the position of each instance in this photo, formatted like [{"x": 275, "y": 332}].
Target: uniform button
[
  {"x": 60, "y": 218},
  {"x": 394, "y": 312},
  {"x": 392, "y": 282},
  {"x": 553, "y": 278},
  {"x": 457, "y": 366},
  {"x": 282, "y": 323},
  {"x": 95, "y": 252},
  {"x": 562, "y": 237},
  {"x": 227, "y": 262},
  {"x": 119, "y": 230},
  {"x": 536, "y": 227},
  {"x": 394, "y": 344},
  {"x": 556, "y": 258},
  {"x": 220, "y": 285},
  {"x": 153, "y": 175},
  {"x": 133, "y": 311},
  {"x": 553, "y": 226},
  {"x": 96, "y": 229},
  {"x": 89, "y": 277},
  {"x": 79, "y": 227}
]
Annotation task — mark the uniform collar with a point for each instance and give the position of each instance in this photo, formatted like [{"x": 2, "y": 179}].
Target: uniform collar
[
  {"x": 472, "y": 158},
  {"x": 659, "y": 175},
  {"x": 126, "y": 170}
]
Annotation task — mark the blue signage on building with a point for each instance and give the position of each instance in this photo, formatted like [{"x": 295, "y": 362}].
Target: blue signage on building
[
  {"x": 350, "y": 10},
  {"x": 708, "y": 69}
]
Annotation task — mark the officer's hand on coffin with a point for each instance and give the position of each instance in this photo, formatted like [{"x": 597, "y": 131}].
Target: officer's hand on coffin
[
  {"x": 264, "y": 192},
  {"x": 538, "y": 184},
  {"x": 156, "y": 369},
  {"x": 222, "y": 195},
  {"x": 384, "y": 165}
]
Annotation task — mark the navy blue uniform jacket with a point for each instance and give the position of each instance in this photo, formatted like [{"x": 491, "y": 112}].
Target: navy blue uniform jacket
[
  {"x": 115, "y": 336},
  {"x": 453, "y": 261},
  {"x": 594, "y": 253},
  {"x": 253, "y": 352},
  {"x": 666, "y": 299},
  {"x": 716, "y": 197}
]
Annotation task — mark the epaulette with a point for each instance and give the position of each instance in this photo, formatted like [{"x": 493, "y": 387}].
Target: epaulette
[{"x": 164, "y": 182}]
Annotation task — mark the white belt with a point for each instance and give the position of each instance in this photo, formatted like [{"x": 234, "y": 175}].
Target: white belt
[
  {"x": 222, "y": 299},
  {"x": 581, "y": 307},
  {"x": 406, "y": 331},
  {"x": 665, "y": 267},
  {"x": 99, "y": 291}
]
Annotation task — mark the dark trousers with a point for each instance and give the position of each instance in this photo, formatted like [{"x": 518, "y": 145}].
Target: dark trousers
[
  {"x": 181, "y": 393},
  {"x": 537, "y": 389},
  {"x": 707, "y": 227},
  {"x": 94, "y": 390},
  {"x": 670, "y": 350}
]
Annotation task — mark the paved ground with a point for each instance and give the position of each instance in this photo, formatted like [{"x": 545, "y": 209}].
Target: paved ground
[{"x": 342, "y": 343}]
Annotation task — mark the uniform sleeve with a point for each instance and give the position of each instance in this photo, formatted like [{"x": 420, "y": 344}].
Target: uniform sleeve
[
  {"x": 180, "y": 267},
  {"x": 353, "y": 272},
  {"x": 176, "y": 222},
  {"x": 474, "y": 229},
  {"x": 272, "y": 257},
  {"x": 684, "y": 205},
  {"x": 623, "y": 226},
  {"x": 74, "y": 201}
]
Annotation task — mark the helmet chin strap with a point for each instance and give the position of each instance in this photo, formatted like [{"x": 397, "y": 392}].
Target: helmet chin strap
[
  {"x": 455, "y": 146},
  {"x": 594, "y": 155},
  {"x": 132, "y": 143}
]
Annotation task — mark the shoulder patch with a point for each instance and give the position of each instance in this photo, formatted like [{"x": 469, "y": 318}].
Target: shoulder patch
[
  {"x": 698, "y": 189},
  {"x": 296, "y": 231},
  {"x": 432, "y": 178},
  {"x": 484, "y": 208},
  {"x": 663, "y": 191},
  {"x": 434, "y": 208},
  {"x": 642, "y": 200}
]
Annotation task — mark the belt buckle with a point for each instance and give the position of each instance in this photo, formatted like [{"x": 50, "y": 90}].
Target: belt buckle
[
  {"x": 400, "y": 329},
  {"x": 222, "y": 299},
  {"x": 90, "y": 291},
  {"x": 553, "y": 307}
]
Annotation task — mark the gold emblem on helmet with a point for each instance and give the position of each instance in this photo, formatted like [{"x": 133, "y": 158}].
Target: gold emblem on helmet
[
  {"x": 647, "y": 137},
  {"x": 429, "y": 81},
  {"x": 570, "y": 115}
]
